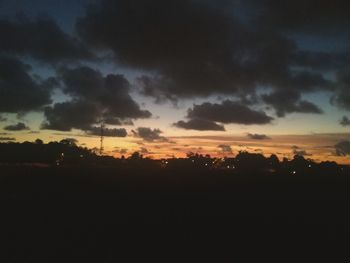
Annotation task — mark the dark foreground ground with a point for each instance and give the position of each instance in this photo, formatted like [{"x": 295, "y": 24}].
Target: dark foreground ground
[{"x": 108, "y": 215}]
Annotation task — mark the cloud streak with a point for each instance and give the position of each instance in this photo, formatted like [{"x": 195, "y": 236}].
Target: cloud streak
[
  {"x": 228, "y": 112},
  {"x": 199, "y": 125},
  {"x": 258, "y": 136},
  {"x": 7, "y": 139},
  {"x": 20, "y": 126},
  {"x": 345, "y": 121},
  {"x": 107, "y": 132},
  {"x": 149, "y": 135}
]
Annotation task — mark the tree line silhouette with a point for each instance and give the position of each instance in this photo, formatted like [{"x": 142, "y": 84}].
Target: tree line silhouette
[{"x": 67, "y": 153}]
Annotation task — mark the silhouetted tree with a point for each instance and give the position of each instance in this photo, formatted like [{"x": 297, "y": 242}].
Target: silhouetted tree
[
  {"x": 251, "y": 161},
  {"x": 135, "y": 156},
  {"x": 38, "y": 141},
  {"x": 69, "y": 141}
]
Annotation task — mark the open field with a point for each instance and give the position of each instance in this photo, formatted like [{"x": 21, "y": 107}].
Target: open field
[{"x": 86, "y": 213}]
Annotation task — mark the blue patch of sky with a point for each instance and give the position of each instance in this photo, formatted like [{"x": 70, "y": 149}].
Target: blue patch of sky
[{"x": 332, "y": 114}]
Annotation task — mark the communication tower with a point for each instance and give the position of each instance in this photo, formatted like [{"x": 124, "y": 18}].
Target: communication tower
[{"x": 102, "y": 138}]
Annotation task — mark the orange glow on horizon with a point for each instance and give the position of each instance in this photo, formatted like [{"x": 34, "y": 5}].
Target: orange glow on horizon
[{"x": 319, "y": 147}]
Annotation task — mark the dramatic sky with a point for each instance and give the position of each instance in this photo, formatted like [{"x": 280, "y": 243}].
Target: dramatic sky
[{"x": 171, "y": 77}]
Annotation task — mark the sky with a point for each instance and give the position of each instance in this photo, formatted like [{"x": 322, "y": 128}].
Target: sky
[{"x": 168, "y": 78}]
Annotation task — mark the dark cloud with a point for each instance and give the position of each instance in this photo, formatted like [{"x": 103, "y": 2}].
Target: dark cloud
[
  {"x": 301, "y": 153},
  {"x": 76, "y": 114},
  {"x": 345, "y": 121},
  {"x": 148, "y": 134},
  {"x": 117, "y": 121},
  {"x": 33, "y": 132},
  {"x": 228, "y": 112},
  {"x": 289, "y": 102},
  {"x": 321, "y": 60},
  {"x": 185, "y": 48},
  {"x": 199, "y": 125},
  {"x": 113, "y": 121},
  {"x": 311, "y": 16},
  {"x": 258, "y": 136},
  {"x": 111, "y": 92},
  {"x": 190, "y": 48},
  {"x": 342, "y": 148},
  {"x": 108, "y": 132},
  {"x": 153, "y": 33},
  {"x": 96, "y": 98},
  {"x": 71, "y": 141},
  {"x": 42, "y": 39},
  {"x": 153, "y": 87},
  {"x": 342, "y": 96},
  {"x": 20, "y": 126},
  {"x": 307, "y": 81},
  {"x": 20, "y": 91},
  {"x": 123, "y": 151},
  {"x": 7, "y": 139},
  {"x": 144, "y": 150},
  {"x": 225, "y": 148},
  {"x": 195, "y": 48}
]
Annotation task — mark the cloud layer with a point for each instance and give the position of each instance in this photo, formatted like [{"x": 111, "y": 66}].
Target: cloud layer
[
  {"x": 199, "y": 125},
  {"x": 149, "y": 135},
  {"x": 20, "y": 126},
  {"x": 256, "y": 54},
  {"x": 107, "y": 132},
  {"x": 41, "y": 39},
  {"x": 205, "y": 116},
  {"x": 256, "y": 136},
  {"x": 95, "y": 98},
  {"x": 20, "y": 91},
  {"x": 198, "y": 48}
]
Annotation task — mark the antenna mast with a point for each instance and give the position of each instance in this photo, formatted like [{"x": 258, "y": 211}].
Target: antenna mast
[{"x": 102, "y": 138}]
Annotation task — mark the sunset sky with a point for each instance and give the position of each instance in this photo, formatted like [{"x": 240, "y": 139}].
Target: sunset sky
[{"x": 172, "y": 77}]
